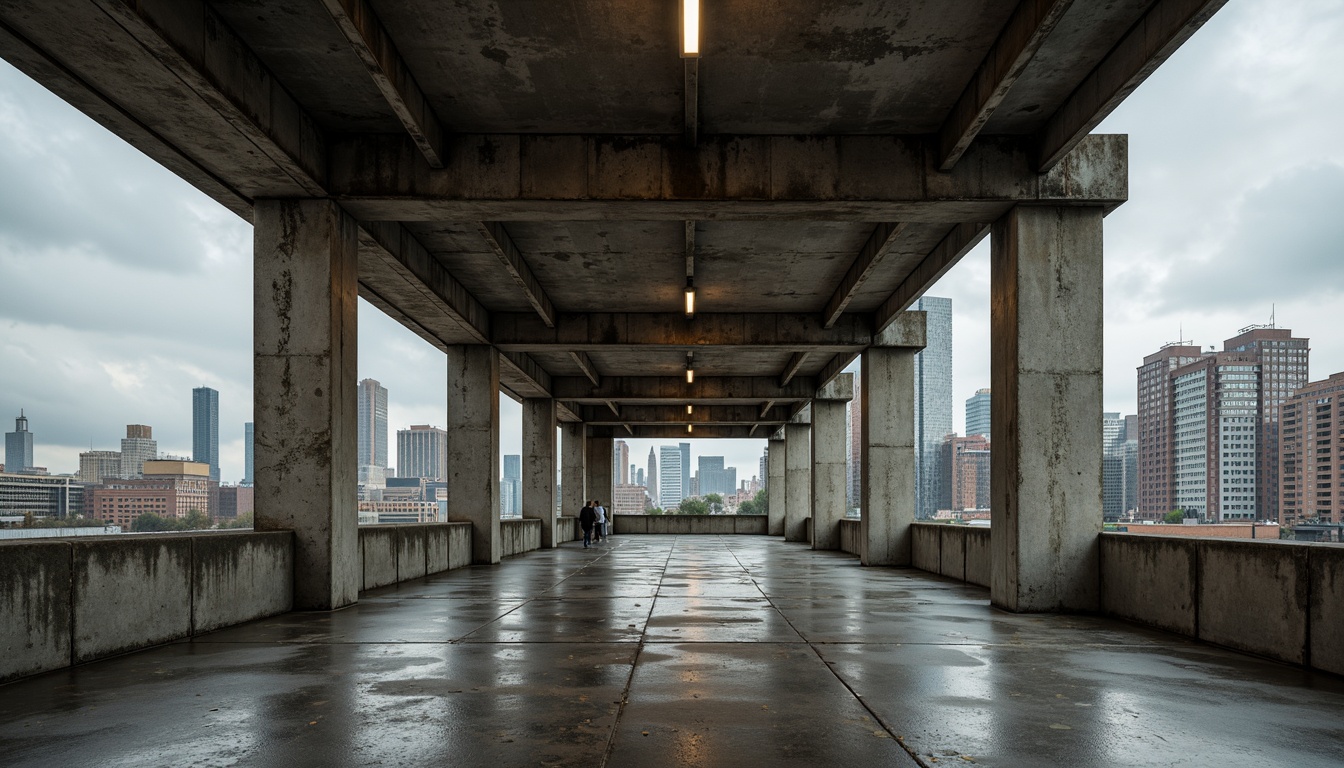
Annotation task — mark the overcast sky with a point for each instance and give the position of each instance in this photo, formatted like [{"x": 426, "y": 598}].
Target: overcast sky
[{"x": 121, "y": 287}]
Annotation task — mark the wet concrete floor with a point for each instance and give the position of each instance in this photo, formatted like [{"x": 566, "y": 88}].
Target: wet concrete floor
[{"x": 677, "y": 651}]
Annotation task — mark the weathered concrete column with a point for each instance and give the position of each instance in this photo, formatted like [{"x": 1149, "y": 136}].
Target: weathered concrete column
[
  {"x": 539, "y": 465},
  {"x": 829, "y": 452},
  {"x": 797, "y": 480},
  {"x": 473, "y": 446},
  {"x": 305, "y": 286},
  {"x": 573, "y": 467},
  {"x": 887, "y": 446},
  {"x": 774, "y": 487},
  {"x": 599, "y": 467},
  {"x": 1046, "y": 356}
]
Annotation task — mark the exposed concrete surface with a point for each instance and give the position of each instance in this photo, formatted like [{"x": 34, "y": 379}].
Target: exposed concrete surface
[
  {"x": 473, "y": 446},
  {"x": 927, "y": 547},
  {"x": 305, "y": 344},
  {"x": 1253, "y": 596},
  {"x": 35, "y": 609},
  {"x": 887, "y": 454},
  {"x": 411, "y": 552},
  {"x": 519, "y": 536},
  {"x": 669, "y": 651},
  {"x": 830, "y": 451},
  {"x": 692, "y": 525},
  {"x": 952, "y": 551},
  {"x": 573, "y": 469},
  {"x": 1327, "y": 609},
  {"x": 1046, "y": 359},
  {"x": 797, "y": 481},
  {"x": 1151, "y": 579},
  {"x": 238, "y": 577},
  {"x": 776, "y": 491},
  {"x": 129, "y": 593},
  {"x": 978, "y": 555},
  {"x": 378, "y": 549},
  {"x": 850, "y": 530},
  {"x": 598, "y": 465},
  {"x": 538, "y": 460}
]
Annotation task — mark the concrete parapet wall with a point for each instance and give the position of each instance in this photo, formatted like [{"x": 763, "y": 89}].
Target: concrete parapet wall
[
  {"x": 977, "y": 555},
  {"x": 692, "y": 525},
  {"x": 519, "y": 536},
  {"x": 567, "y": 529},
  {"x": 927, "y": 547},
  {"x": 952, "y": 551},
  {"x": 1284, "y": 600},
  {"x": 399, "y": 552},
  {"x": 69, "y": 601},
  {"x": 850, "y": 531}
]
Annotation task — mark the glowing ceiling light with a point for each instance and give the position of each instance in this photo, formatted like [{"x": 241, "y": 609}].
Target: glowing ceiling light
[
  {"x": 690, "y": 297},
  {"x": 690, "y": 29},
  {"x": 688, "y": 409},
  {"x": 690, "y": 367},
  {"x": 688, "y": 429}
]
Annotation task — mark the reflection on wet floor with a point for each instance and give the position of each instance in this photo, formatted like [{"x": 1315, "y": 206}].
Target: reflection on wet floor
[{"x": 665, "y": 650}]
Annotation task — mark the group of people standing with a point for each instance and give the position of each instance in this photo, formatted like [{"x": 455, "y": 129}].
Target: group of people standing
[{"x": 593, "y": 521}]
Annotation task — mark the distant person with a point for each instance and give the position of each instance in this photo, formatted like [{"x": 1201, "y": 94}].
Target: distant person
[
  {"x": 587, "y": 518},
  {"x": 601, "y": 525}
]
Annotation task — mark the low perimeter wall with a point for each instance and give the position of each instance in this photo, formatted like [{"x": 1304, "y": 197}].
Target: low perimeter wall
[
  {"x": 1280, "y": 599},
  {"x": 403, "y": 551},
  {"x": 519, "y": 536},
  {"x": 849, "y": 536},
  {"x": 721, "y": 525},
  {"x": 69, "y": 601},
  {"x": 567, "y": 529}
]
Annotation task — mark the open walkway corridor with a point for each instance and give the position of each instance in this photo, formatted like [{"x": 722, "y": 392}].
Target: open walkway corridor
[{"x": 660, "y": 651}]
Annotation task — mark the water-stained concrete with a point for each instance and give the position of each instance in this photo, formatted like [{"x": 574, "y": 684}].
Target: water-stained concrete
[{"x": 677, "y": 650}]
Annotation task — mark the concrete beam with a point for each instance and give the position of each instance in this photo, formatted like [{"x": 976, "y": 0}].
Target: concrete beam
[
  {"x": 836, "y": 366},
  {"x": 791, "y": 369},
  {"x": 706, "y": 389},
  {"x": 513, "y": 262},
  {"x": 598, "y": 331},
  {"x": 678, "y": 432},
  {"x": 1045, "y": 366},
  {"x": 586, "y": 365},
  {"x": 375, "y": 48},
  {"x": 1031, "y": 23},
  {"x": 398, "y": 268},
  {"x": 692, "y": 108},
  {"x": 1165, "y": 26},
  {"x": 876, "y": 248},
  {"x": 305, "y": 340},
  {"x": 957, "y": 243},
  {"x": 502, "y": 177},
  {"x": 741, "y": 415}
]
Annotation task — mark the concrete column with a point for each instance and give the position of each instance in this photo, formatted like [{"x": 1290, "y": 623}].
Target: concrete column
[
  {"x": 305, "y": 286},
  {"x": 887, "y": 455},
  {"x": 774, "y": 487},
  {"x": 1046, "y": 355},
  {"x": 797, "y": 480},
  {"x": 539, "y": 465},
  {"x": 599, "y": 466},
  {"x": 829, "y": 452},
  {"x": 473, "y": 446},
  {"x": 573, "y": 467}
]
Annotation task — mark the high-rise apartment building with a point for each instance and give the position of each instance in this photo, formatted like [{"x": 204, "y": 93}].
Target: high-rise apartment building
[
  {"x": 652, "y": 478},
  {"x": 1311, "y": 479},
  {"x": 249, "y": 455},
  {"x": 205, "y": 429},
  {"x": 422, "y": 451},
  {"x": 1119, "y": 466},
  {"x": 629, "y": 499},
  {"x": 137, "y": 447},
  {"x": 977, "y": 413},
  {"x": 765, "y": 464},
  {"x": 969, "y": 457},
  {"x": 715, "y": 477},
  {"x": 670, "y": 488},
  {"x": 1231, "y": 400},
  {"x": 372, "y": 424},
  {"x": 96, "y": 465},
  {"x": 511, "y": 487},
  {"x": 685, "y": 469},
  {"x": 19, "y": 447},
  {"x": 933, "y": 409},
  {"x": 620, "y": 463}
]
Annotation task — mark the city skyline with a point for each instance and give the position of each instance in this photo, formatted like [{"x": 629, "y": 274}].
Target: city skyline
[{"x": 1223, "y": 173}]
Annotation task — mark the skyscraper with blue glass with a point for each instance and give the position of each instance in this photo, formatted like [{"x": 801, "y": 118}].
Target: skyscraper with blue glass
[
  {"x": 933, "y": 409},
  {"x": 205, "y": 428}
]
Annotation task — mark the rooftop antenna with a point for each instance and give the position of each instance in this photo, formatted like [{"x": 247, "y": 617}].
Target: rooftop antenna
[{"x": 1271, "y": 316}]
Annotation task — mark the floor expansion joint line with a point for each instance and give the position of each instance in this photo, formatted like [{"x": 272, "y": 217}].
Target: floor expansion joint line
[
  {"x": 634, "y": 665},
  {"x": 873, "y": 713}
]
